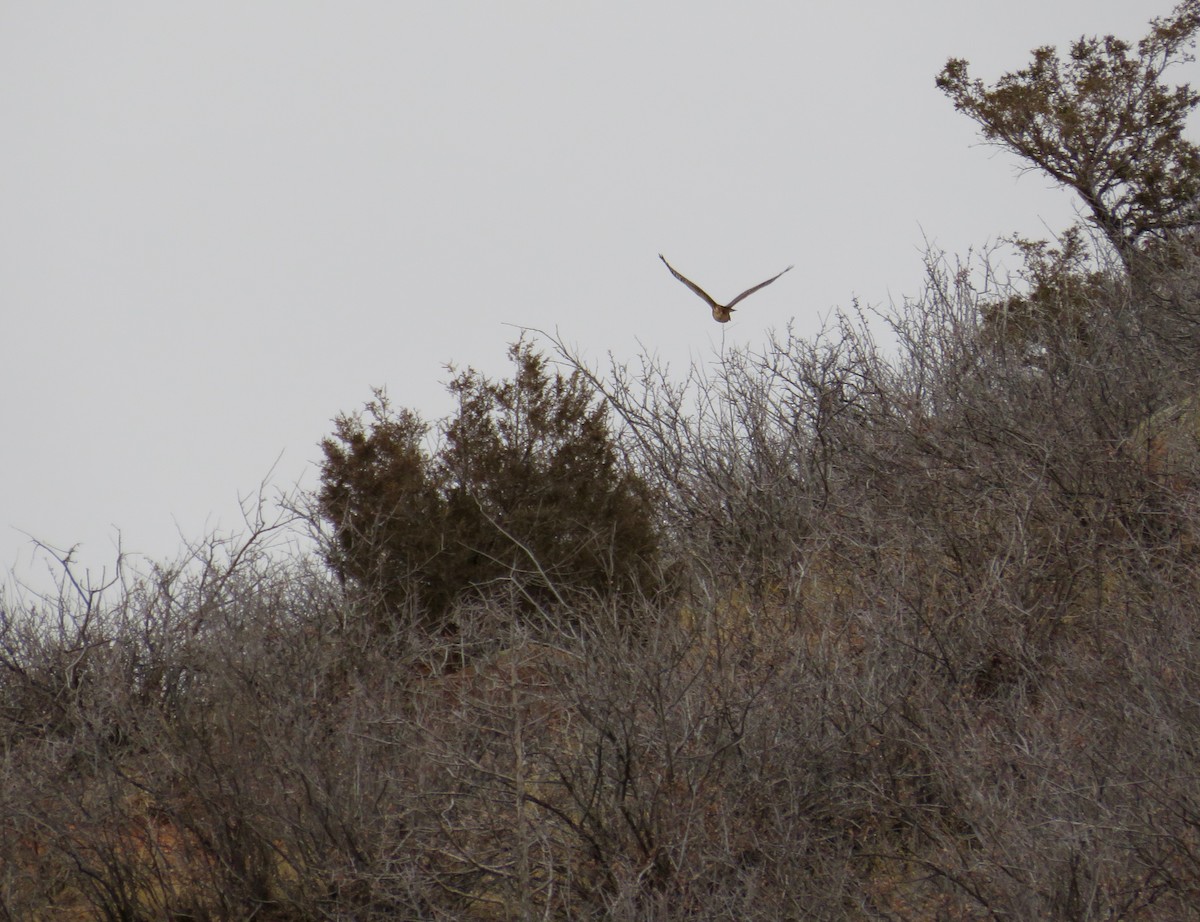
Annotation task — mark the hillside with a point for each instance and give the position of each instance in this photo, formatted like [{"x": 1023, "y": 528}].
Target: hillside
[{"x": 824, "y": 629}]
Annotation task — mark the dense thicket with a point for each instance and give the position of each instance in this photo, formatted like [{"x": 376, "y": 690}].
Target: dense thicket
[
  {"x": 526, "y": 495},
  {"x": 932, "y": 650}
]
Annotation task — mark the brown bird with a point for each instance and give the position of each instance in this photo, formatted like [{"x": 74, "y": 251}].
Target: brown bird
[{"x": 721, "y": 312}]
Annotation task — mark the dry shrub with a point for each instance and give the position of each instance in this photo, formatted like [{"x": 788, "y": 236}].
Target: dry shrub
[{"x": 933, "y": 655}]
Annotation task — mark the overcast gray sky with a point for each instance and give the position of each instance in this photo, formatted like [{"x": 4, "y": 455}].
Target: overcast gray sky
[{"x": 221, "y": 223}]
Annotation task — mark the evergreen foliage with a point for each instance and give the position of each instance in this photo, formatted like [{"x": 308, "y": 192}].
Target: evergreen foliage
[
  {"x": 527, "y": 488},
  {"x": 1103, "y": 124}
]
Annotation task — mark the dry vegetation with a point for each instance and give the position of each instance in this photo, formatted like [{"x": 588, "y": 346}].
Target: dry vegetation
[
  {"x": 931, "y": 653},
  {"x": 902, "y": 633}
]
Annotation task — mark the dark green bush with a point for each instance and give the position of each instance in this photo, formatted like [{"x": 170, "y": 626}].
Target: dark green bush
[{"x": 526, "y": 491}]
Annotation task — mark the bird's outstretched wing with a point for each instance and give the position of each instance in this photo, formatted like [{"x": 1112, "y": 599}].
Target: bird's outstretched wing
[
  {"x": 696, "y": 288},
  {"x": 748, "y": 291}
]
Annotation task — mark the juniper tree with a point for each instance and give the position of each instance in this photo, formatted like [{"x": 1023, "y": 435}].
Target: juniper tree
[
  {"x": 1103, "y": 123},
  {"x": 526, "y": 489}
]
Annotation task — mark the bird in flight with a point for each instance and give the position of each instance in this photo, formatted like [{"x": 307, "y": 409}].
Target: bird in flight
[{"x": 721, "y": 312}]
